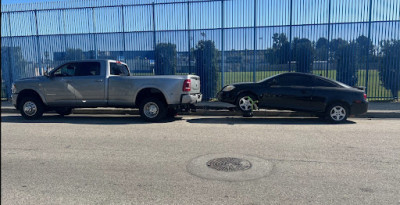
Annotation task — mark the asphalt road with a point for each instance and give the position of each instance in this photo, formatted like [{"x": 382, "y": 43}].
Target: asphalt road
[{"x": 109, "y": 159}]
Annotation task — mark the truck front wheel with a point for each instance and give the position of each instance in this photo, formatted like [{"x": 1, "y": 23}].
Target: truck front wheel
[
  {"x": 31, "y": 108},
  {"x": 153, "y": 109}
]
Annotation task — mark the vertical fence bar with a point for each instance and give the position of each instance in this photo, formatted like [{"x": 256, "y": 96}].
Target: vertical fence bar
[
  {"x": 154, "y": 37},
  {"x": 123, "y": 31},
  {"x": 290, "y": 36},
  {"x": 222, "y": 45},
  {"x": 369, "y": 39},
  {"x": 94, "y": 33},
  {"x": 255, "y": 40},
  {"x": 38, "y": 45},
  {"x": 188, "y": 28},
  {"x": 10, "y": 70},
  {"x": 329, "y": 40}
]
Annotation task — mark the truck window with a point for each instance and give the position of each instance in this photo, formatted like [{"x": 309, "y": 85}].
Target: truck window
[
  {"x": 118, "y": 69},
  {"x": 79, "y": 69}
]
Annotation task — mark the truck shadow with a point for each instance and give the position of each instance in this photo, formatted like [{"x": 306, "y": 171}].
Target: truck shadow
[
  {"x": 265, "y": 120},
  {"x": 93, "y": 120}
]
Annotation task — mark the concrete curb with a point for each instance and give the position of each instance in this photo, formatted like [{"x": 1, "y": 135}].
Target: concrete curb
[{"x": 204, "y": 112}]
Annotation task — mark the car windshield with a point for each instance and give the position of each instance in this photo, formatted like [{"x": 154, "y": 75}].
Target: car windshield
[{"x": 267, "y": 78}]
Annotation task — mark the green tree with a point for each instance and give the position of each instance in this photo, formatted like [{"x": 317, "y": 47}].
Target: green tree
[
  {"x": 321, "y": 49},
  {"x": 279, "y": 53},
  {"x": 206, "y": 56},
  {"x": 343, "y": 54},
  {"x": 303, "y": 54},
  {"x": 346, "y": 71},
  {"x": 74, "y": 54},
  {"x": 390, "y": 61},
  {"x": 363, "y": 49},
  {"x": 165, "y": 59}
]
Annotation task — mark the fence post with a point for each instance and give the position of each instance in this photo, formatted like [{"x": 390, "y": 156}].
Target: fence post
[
  {"x": 329, "y": 34},
  {"x": 290, "y": 37},
  {"x": 123, "y": 31},
  {"x": 222, "y": 46},
  {"x": 38, "y": 44},
  {"x": 369, "y": 39},
  {"x": 188, "y": 28},
  {"x": 255, "y": 41},
  {"x": 94, "y": 33},
  {"x": 10, "y": 70}
]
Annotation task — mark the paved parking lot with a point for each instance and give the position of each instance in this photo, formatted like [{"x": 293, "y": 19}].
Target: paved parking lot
[{"x": 119, "y": 159}]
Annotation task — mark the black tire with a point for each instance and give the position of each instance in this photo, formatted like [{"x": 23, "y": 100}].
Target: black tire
[
  {"x": 153, "y": 109},
  {"x": 337, "y": 113},
  {"x": 63, "y": 111},
  {"x": 172, "y": 112},
  {"x": 31, "y": 107},
  {"x": 240, "y": 106}
]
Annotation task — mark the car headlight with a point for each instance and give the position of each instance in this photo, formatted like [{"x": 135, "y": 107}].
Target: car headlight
[
  {"x": 228, "y": 88},
  {"x": 13, "y": 88}
]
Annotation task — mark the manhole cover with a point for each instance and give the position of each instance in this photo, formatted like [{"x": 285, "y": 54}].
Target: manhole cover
[
  {"x": 229, "y": 164},
  {"x": 229, "y": 167}
]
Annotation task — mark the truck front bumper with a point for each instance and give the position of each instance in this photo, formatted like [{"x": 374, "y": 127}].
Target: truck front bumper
[{"x": 191, "y": 98}]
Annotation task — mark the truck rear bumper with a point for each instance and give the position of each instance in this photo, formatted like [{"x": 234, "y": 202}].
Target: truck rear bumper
[{"x": 191, "y": 98}]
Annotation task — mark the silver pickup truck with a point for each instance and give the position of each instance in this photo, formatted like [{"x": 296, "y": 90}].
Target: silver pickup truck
[{"x": 104, "y": 83}]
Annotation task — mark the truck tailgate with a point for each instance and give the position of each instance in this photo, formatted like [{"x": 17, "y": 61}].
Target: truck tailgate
[{"x": 195, "y": 84}]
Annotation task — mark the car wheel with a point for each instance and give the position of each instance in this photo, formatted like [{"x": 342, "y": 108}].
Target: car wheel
[
  {"x": 245, "y": 104},
  {"x": 31, "y": 108},
  {"x": 63, "y": 111},
  {"x": 153, "y": 109},
  {"x": 337, "y": 113}
]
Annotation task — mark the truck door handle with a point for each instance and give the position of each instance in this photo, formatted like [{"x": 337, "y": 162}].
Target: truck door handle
[{"x": 101, "y": 80}]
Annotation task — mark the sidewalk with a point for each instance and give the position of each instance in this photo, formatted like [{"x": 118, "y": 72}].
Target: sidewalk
[{"x": 376, "y": 110}]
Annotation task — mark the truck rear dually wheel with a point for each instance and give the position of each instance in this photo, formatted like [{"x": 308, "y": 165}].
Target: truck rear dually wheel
[{"x": 153, "y": 109}]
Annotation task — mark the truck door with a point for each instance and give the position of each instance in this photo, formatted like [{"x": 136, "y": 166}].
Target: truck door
[
  {"x": 58, "y": 91},
  {"x": 88, "y": 83}
]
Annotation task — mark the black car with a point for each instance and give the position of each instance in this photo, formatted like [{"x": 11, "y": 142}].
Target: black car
[{"x": 299, "y": 92}]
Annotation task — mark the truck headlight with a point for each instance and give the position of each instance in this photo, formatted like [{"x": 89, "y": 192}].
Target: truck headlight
[{"x": 228, "y": 88}]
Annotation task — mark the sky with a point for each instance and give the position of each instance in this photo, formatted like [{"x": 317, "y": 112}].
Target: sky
[{"x": 25, "y": 1}]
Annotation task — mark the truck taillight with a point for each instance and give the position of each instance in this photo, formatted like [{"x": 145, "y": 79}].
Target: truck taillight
[
  {"x": 365, "y": 96},
  {"x": 187, "y": 84}
]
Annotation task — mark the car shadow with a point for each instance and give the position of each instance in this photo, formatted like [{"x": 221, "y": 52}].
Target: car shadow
[
  {"x": 74, "y": 119},
  {"x": 265, "y": 120}
]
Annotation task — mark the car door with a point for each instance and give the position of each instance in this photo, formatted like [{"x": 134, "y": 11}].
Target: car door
[
  {"x": 289, "y": 91},
  {"x": 322, "y": 89},
  {"x": 88, "y": 83}
]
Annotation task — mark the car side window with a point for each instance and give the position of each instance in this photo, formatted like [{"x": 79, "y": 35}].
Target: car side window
[
  {"x": 323, "y": 83},
  {"x": 78, "y": 69},
  {"x": 294, "y": 80},
  {"x": 118, "y": 69}
]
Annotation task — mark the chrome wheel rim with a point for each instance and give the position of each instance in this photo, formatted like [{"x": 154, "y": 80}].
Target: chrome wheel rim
[
  {"x": 338, "y": 113},
  {"x": 245, "y": 103},
  {"x": 29, "y": 108},
  {"x": 151, "y": 110}
]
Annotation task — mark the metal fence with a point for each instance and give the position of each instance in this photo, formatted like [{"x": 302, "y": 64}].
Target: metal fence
[{"x": 224, "y": 41}]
